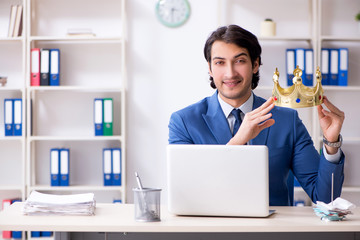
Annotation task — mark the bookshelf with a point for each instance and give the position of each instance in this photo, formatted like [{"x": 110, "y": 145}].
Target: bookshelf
[
  {"x": 91, "y": 66},
  {"x": 308, "y": 24},
  {"x": 62, "y": 116},
  {"x": 12, "y": 66}
]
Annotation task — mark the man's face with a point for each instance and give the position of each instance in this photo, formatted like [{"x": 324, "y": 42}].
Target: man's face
[{"x": 232, "y": 71}]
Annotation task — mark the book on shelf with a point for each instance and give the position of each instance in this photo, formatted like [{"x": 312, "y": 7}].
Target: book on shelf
[
  {"x": 112, "y": 166},
  {"x": 334, "y": 65},
  {"x": 103, "y": 116},
  {"x": 59, "y": 166},
  {"x": 15, "y": 21},
  {"x": 80, "y": 32},
  {"x": 45, "y": 67},
  {"x": 13, "y": 116}
]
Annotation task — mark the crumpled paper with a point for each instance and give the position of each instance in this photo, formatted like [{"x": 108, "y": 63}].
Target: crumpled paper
[{"x": 333, "y": 211}]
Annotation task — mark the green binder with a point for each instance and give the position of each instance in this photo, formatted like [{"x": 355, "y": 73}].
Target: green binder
[{"x": 108, "y": 116}]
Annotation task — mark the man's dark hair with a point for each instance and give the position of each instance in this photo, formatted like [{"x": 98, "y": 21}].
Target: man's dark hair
[{"x": 242, "y": 38}]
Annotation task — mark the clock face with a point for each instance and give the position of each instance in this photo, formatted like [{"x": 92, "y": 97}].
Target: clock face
[{"x": 173, "y": 13}]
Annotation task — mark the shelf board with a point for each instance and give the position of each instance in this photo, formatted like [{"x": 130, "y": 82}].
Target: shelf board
[
  {"x": 11, "y": 188},
  {"x": 341, "y": 88},
  {"x": 11, "y": 39},
  {"x": 340, "y": 38},
  {"x": 115, "y": 39},
  {"x": 284, "y": 38},
  {"x": 11, "y": 138},
  {"x": 76, "y": 188},
  {"x": 75, "y": 138},
  {"x": 5, "y": 88},
  {"x": 351, "y": 189},
  {"x": 76, "y": 88}
]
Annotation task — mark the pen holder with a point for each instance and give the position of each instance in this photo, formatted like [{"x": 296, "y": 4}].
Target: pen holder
[{"x": 147, "y": 204}]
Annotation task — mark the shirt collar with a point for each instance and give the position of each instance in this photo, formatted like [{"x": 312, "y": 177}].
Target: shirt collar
[{"x": 245, "y": 107}]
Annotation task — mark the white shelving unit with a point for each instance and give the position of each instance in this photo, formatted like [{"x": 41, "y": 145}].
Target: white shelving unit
[
  {"x": 308, "y": 24},
  {"x": 62, "y": 116},
  {"x": 12, "y": 148}
]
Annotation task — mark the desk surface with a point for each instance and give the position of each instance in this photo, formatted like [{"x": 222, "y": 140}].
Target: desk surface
[{"x": 120, "y": 218}]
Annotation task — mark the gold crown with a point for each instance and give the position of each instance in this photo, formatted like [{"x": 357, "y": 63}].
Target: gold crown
[{"x": 298, "y": 95}]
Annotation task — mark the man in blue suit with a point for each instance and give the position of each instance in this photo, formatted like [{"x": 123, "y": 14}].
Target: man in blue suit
[{"x": 234, "y": 58}]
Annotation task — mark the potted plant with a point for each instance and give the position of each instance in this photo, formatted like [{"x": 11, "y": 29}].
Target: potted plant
[{"x": 357, "y": 18}]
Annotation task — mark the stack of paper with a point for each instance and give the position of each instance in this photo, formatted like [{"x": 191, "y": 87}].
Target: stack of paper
[
  {"x": 50, "y": 204},
  {"x": 334, "y": 211}
]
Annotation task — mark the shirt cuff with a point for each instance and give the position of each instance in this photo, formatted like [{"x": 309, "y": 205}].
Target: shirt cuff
[{"x": 334, "y": 158}]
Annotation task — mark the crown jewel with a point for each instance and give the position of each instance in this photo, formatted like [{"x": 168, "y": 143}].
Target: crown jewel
[{"x": 298, "y": 95}]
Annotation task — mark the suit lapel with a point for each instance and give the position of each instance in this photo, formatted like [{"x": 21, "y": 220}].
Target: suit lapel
[
  {"x": 260, "y": 139},
  {"x": 216, "y": 121}
]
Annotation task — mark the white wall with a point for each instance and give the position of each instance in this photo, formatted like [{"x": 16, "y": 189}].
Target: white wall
[{"x": 166, "y": 72}]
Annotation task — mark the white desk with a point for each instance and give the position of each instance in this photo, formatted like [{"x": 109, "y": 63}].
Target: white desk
[{"x": 120, "y": 218}]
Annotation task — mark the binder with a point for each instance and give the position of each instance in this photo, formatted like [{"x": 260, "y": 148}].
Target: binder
[
  {"x": 309, "y": 67},
  {"x": 98, "y": 117},
  {"x": 54, "y": 67},
  {"x": 116, "y": 166},
  {"x": 6, "y": 203},
  {"x": 334, "y": 66},
  {"x": 44, "y": 67},
  {"x": 108, "y": 116},
  {"x": 64, "y": 167},
  {"x": 16, "y": 234},
  {"x": 300, "y": 61},
  {"x": 343, "y": 66},
  {"x": 35, "y": 67},
  {"x": 35, "y": 234},
  {"x": 17, "y": 103},
  {"x": 325, "y": 67},
  {"x": 46, "y": 234},
  {"x": 54, "y": 167},
  {"x": 290, "y": 65},
  {"x": 107, "y": 166},
  {"x": 9, "y": 116}
]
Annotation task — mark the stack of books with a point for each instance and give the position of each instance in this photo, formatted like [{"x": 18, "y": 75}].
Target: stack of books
[
  {"x": 51, "y": 204},
  {"x": 15, "y": 21}
]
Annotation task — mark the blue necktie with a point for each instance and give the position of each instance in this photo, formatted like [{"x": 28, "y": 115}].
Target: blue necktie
[{"x": 238, "y": 121}]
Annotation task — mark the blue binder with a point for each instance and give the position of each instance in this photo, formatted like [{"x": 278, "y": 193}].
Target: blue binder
[
  {"x": 54, "y": 67},
  {"x": 64, "y": 166},
  {"x": 300, "y": 61},
  {"x": 46, "y": 234},
  {"x": 98, "y": 116},
  {"x": 325, "y": 66},
  {"x": 17, "y": 108},
  {"x": 54, "y": 167},
  {"x": 8, "y": 117},
  {"x": 290, "y": 65},
  {"x": 116, "y": 166},
  {"x": 16, "y": 234},
  {"x": 334, "y": 66},
  {"x": 309, "y": 67},
  {"x": 343, "y": 66},
  {"x": 107, "y": 166},
  {"x": 35, "y": 234}
]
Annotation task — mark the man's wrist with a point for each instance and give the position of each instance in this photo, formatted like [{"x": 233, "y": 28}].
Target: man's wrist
[{"x": 333, "y": 144}]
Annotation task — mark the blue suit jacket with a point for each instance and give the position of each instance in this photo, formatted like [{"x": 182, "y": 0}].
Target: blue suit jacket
[{"x": 290, "y": 148}]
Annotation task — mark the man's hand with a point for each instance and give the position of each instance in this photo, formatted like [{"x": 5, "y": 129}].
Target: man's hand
[
  {"x": 254, "y": 122},
  {"x": 330, "y": 122}
]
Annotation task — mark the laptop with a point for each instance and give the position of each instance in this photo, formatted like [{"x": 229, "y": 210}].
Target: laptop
[{"x": 218, "y": 180}]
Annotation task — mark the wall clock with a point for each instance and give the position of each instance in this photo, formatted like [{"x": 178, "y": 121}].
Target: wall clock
[{"x": 172, "y": 13}]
